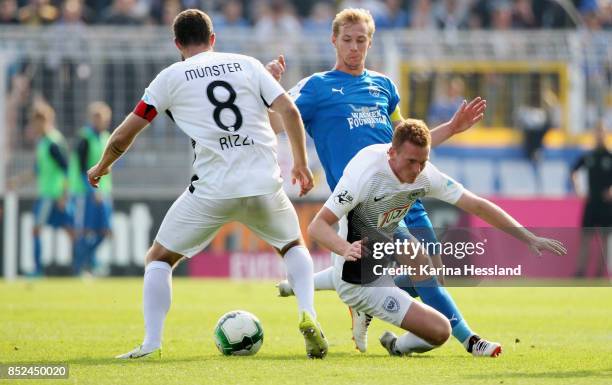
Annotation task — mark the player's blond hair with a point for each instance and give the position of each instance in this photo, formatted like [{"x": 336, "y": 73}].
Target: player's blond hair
[
  {"x": 411, "y": 130},
  {"x": 353, "y": 16},
  {"x": 99, "y": 108}
]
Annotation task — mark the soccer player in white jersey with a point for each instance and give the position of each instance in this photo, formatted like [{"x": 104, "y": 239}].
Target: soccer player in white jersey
[
  {"x": 221, "y": 101},
  {"x": 376, "y": 189}
]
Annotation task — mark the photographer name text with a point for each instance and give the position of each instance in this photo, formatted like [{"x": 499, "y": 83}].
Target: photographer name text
[{"x": 464, "y": 271}]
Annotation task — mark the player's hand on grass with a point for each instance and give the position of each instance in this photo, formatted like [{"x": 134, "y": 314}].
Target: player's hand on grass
[
  {"x": 277, "y": 67},
  {"x": 303, "y": 176},
  {"x": 95, "y": 173},
  {"x": 353, "y": 251},
  {"x": 468, "y": 115},
  {"x": 539, "y": 244}
]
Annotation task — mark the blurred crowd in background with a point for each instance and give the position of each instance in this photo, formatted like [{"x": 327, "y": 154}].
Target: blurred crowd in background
[
  {"x": 294, "y": 16},
  {"x": 535, "y": 81}
]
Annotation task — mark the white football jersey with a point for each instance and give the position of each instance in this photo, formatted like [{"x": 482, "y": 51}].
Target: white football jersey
[
  {"x": 221, "y": 100},
  {"x": 374, "y": 201}
]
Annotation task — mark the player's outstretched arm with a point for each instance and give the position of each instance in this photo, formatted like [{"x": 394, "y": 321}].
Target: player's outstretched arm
[
  {"x": 119, "y": 142},
  {"x": 496, "y": 216},
  {"x": 321, "y": 230},
  {"x": 465, "y": 117},
  {"x": 292, "y": 121}
]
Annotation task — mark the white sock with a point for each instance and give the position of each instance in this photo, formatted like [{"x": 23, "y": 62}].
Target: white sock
[
  {"x": 300, "y": 277},
  {"x": 410, "y": 343},
  {"x": 324, "y": 279},
  {"x": 157, "y": 296}
]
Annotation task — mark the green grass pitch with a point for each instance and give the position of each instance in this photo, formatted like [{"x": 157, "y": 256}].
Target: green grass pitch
[{"x": 549, "y": 336}]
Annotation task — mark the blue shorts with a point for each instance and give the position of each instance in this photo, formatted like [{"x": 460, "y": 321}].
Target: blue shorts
[
  {"x": 48, "y": 212},
  {"x": 90, "y": 214}
]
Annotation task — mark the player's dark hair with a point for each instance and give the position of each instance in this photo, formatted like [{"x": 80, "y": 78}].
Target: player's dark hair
[
  {"x": 411, "y": 130},
  {"x": 192, "y": 27}
]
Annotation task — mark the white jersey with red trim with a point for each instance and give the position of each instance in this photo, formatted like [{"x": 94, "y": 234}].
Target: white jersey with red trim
[
  {"x": 373, "y": 200},
  {"x": 221, "y": 100}
]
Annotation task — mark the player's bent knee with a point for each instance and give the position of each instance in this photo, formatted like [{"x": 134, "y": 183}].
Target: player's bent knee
[
  {"x": 441, "y": 332},
  {"x": 439, "y": 328},
  {"x": 427, "y": 323},
  {"x": 159, "y": 253}
]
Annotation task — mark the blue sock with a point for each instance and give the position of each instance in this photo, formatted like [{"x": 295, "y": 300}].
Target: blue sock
[
  {"x": 37, "y": 255},
  {"x": 92, "y": 245},
  {"x": 437, "y": 297},
  {"x": 462, "y": 331},
  {"x": 79, "y": 254}
]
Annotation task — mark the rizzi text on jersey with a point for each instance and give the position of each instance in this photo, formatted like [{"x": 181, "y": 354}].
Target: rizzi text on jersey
[{"x": 235, "y": 140}]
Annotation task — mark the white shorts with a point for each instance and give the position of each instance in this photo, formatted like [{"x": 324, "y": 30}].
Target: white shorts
[
  {"x": 388, "y": 303},
  {"x": 191, "y": 223}
]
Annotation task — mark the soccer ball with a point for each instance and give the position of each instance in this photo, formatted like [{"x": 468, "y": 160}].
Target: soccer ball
[{"x": 238, "y": 333}]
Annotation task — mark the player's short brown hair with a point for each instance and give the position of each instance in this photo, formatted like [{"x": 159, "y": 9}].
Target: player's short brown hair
[
  {"x": 352, "y": 16},
  {"x": 192, "y": 27},
  {"x": 411, "y": 130}
]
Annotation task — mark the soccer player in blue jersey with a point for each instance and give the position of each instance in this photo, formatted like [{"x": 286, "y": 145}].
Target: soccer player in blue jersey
[{"x": 351, "y": 107}]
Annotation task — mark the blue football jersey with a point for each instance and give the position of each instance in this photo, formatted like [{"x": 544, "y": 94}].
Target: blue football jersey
[{"x": 344, "y": 113}]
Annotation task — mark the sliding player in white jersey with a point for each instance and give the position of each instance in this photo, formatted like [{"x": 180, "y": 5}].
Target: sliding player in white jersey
[
  {"x": 377, "y": 188},
  {"x": 221, "y": 101}
]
